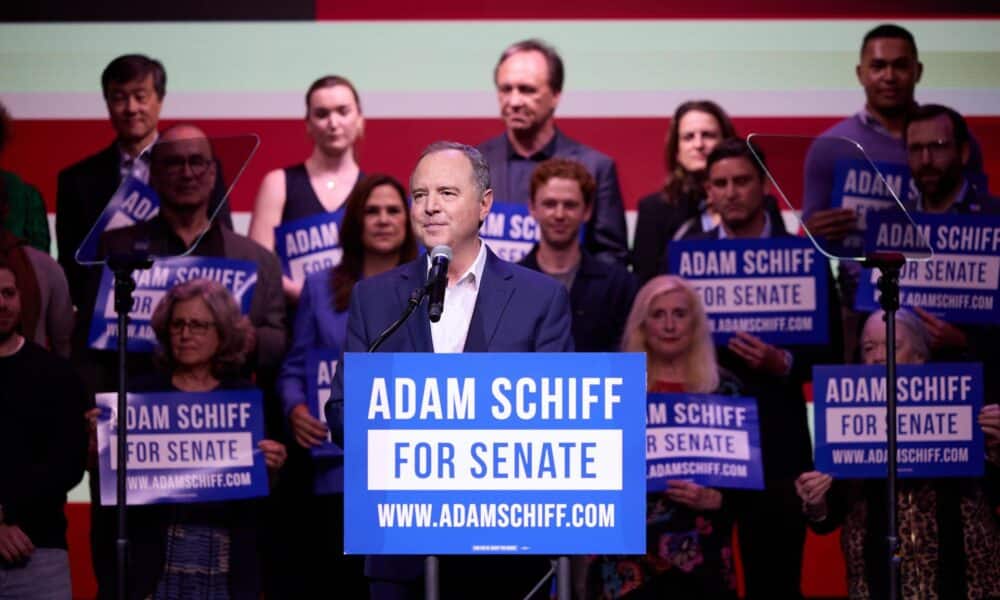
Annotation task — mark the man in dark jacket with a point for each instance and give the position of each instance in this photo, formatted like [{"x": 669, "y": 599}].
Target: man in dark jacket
[
  {"x": 529, "y": 80},
  {"x": 601, "y": 294},
  {"x": 771, "y": 533}
]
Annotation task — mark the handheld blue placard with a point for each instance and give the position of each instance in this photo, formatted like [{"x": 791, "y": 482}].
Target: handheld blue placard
[
  {"x": 711, "y": 440},
  {"x": 494, "y": 453},
  {"x": 936, "y": 421},
  {"x": 776, "y": 288},
  {"x": 184, "y": 447}
]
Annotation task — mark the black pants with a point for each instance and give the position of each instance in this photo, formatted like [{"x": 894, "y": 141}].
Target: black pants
[
  {"x": 772, "y": 533},
  {"x": 304, "y": 548}
]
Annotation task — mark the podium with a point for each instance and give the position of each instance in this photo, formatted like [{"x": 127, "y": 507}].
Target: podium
[{"x": 493, "y": 454}]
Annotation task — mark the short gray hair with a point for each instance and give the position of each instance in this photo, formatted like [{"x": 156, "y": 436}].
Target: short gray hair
[
  {"x": 480, "y": 168},
  {"x": 557, "y": 74},
  {"x": 907, "y": 321}
]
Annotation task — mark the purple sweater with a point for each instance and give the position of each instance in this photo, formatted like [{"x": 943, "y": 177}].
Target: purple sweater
[{"x": 886, "y": 151}]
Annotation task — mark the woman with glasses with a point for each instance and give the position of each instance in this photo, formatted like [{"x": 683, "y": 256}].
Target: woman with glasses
[
  {"x": 198, "y": 550},
  {"x": 322, "y": 183},
  {"x": 376, "y": 237},
  {"x": 689, "y": 527}
]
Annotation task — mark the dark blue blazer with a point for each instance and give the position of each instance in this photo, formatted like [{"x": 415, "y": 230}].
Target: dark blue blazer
[
  {"x": 605, "y": 236},
  {"x": 517, "y": 310},
  {"x": 601, "y": 298}
]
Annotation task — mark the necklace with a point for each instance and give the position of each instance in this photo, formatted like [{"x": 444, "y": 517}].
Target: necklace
[{"x": 331, "y": 184}]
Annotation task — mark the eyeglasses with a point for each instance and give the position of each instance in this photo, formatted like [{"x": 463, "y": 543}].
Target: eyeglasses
[
  {"x": 935, "y": 148},
  {"x": 195, "y": 326},
  {"x": 174, "y": 165}
]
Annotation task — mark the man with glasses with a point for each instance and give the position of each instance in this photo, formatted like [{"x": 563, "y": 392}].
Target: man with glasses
[
  {"x": 133, "y": 86},
  {"x": 938, "y": 149},
  {"x": 888, "y": 70},
  {"x": 184, "y": 171}
]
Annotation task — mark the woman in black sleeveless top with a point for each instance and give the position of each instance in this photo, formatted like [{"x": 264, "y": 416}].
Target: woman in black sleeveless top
[{"x": 322, "y": 183}]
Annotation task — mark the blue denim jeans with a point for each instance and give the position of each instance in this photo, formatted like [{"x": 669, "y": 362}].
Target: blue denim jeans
[{"x": 44, "y": 576}]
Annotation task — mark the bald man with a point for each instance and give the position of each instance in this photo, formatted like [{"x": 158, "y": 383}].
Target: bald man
[{"x": 183, "y": 171}]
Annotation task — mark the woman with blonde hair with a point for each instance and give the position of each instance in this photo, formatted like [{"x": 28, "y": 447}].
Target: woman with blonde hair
[
  {"x": 689, "y": 527},
  {"x": 673, "y": 331}
]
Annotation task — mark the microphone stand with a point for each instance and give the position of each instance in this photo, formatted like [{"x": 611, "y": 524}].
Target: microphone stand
[
  {"x": 432, "y": 588},
  {"x": 122, "y": 265},
  {"x": 889, "y": 264},
  {"x": 416, "y": 297}
]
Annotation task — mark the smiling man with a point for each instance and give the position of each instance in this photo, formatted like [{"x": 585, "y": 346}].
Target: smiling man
[
  {"x": 888, "y": 71},
  {"x": 601, "y": 294},
  {"x": 529, "y": 81},
  {"x": 134, "y": 87},
  {"x": 489, "y": 306}
]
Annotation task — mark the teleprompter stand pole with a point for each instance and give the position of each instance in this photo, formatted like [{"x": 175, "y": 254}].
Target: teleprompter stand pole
[
  {"x": 122, "y": 265},
  {"x": 889, "y": 264}
]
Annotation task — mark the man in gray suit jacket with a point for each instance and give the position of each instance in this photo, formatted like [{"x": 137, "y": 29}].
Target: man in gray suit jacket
[{"x": 529, "y": 80}]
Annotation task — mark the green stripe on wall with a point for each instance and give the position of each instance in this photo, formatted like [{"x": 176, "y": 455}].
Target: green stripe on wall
[{"x": 459, "y": 55}]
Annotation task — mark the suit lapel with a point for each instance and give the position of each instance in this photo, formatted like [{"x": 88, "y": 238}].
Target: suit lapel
[
  {"x": 106, "y": 181},
  {"x": 495, "y": 291},
  {"x": 498, "y": 171},
  {"x": 418, "y": 326}
]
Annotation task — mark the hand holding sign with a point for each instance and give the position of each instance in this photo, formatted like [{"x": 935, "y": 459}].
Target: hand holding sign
[
  {"x": 812, "y": 488},
  {"x": 759, "y": 355},
  {"x": 832, "y": 223},
  {"x": 91, "y": 417},
  {"x": 943, "y": 334},
  {"x": 292, "y": 289},
  {"x": 989, "y": 420},
  {"x": 307, "y": 429},
  {"x": 274, "y": 454},
  {"x": 694, "y": 496}
]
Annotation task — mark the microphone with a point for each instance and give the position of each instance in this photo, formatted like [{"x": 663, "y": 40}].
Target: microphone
[{"x": 437, "y": 281}]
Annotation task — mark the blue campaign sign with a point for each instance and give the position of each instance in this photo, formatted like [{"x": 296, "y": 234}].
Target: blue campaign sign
[
  {"x": 308, "y": 245},
  {"x": 774, "y": 288},
  {"x": 184, "y": 447},
  {"x": 494, "y": 453},
  {"x": 857, "y": 186},
  {"x": 238, "y": 276},
  {"x": 711, "y": 440},
  {"x": 960, "y": 283},
  {"x": 320, "y": 367},
  {"x": 510, "y": 231},
  {"x": 133, "y": 202},
  {"x": 936, "y": 420}
]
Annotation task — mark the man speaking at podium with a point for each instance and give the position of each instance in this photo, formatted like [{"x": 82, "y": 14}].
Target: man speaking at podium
[{"x": 489, "y": 306}]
